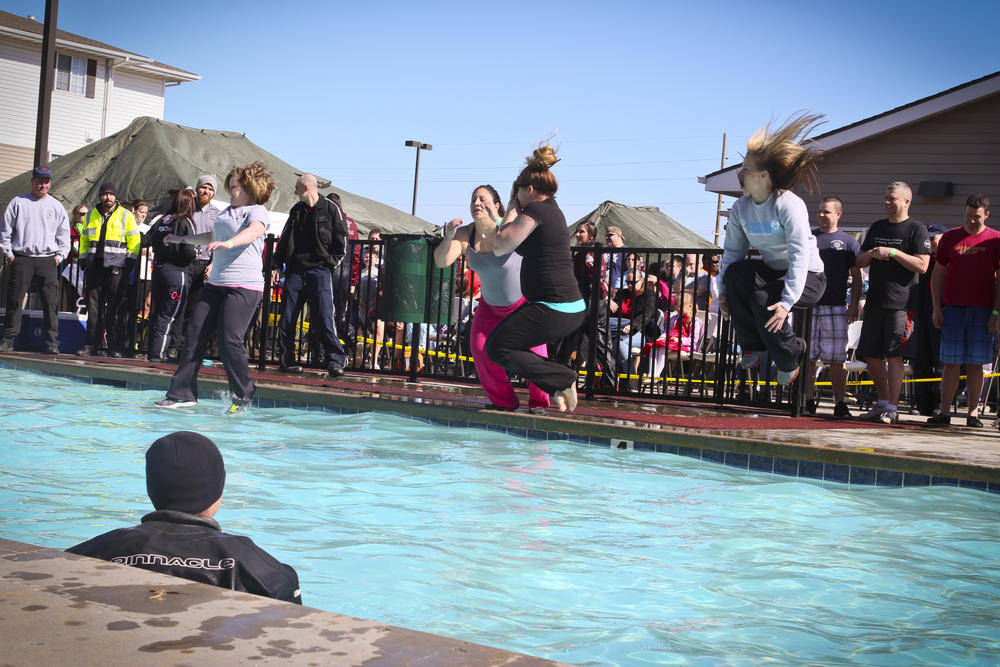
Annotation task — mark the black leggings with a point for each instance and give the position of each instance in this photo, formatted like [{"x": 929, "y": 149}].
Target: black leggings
[
  {"x": 509, "y": 344},
  {"x": 226, "y": 312}
]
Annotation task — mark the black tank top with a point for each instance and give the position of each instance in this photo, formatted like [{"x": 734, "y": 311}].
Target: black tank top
[{"x": 547, "y": 267}]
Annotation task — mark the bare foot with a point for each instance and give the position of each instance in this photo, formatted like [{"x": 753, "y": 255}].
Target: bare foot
[{"x": 566, "y": 399}]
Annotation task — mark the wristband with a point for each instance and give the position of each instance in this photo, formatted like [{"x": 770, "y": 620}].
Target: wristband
[
  {"x": 892, "y": 253},
  {"x": 229, "y": 244}
]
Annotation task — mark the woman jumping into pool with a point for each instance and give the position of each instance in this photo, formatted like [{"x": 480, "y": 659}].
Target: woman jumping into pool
[
  {"x": 759, "y": 293},
  {"x": 233, "y": 292},
  {"x": 536, "y": 228},
  {"x": 501, "y": 292}
]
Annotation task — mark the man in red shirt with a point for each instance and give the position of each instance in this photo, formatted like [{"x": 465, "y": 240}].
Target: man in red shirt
[{"x": 964, "y": 280}]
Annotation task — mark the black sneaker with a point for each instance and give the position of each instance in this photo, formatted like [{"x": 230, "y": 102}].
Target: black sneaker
[
  {"x": 290, "y": 368},
  {"x": 840, "y": 410},
  {"x": 973, "y": 422},
  {"x": 939, "y": 420},
  {"x": 810, "y": 409},
  {"x": 336, "y": 371},
  {"x": 170, "y": 404}
]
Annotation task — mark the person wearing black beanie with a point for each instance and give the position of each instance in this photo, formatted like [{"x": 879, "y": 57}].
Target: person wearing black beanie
[{"x": 185, "y": 477}]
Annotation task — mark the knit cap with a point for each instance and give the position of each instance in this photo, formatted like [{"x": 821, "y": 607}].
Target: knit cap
[{"x": 184, "y": 472}]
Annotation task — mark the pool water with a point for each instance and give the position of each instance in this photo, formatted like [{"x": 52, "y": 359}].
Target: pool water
[{"x": 552, "y": 548}]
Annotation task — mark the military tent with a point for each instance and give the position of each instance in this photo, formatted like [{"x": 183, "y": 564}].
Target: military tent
[
  {"x": 644, "y": 227},
  {"x": 150, "y": 157}
]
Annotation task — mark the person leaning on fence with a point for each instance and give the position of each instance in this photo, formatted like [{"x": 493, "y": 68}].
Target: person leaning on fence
[
  {"x": 185, "y": 477},
  {"x": 758, "y": 294},
  {"x": 964, "y": 293},
  {"x": 231, "y": 297},
  {"x": 34, "y": 239}
]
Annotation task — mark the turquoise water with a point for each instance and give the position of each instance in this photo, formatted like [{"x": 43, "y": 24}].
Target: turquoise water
[{"x": 555, "y": 549}]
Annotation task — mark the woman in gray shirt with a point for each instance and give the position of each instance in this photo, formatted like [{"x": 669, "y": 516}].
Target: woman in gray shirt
[{"x": 233, "y": 292}]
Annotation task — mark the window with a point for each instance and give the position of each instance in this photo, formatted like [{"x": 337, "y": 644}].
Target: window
[{"x": 76, "y": 75}]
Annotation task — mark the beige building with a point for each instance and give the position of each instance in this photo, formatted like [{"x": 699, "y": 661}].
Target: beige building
[
  {"x": 946, "y": 146},
  {"x": 99, "y": 89}
]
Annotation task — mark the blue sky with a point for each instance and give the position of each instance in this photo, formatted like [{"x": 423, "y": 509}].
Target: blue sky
[{"x": 638, "y": 93}]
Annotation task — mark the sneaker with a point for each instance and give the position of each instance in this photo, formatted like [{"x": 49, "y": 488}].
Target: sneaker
[
  {"x": 840, "y": 410},
  {"x": 873, "y": 415},
  {"x": 336, "y": 371},
  {"x": 237, "y": 408},
  {"x": 939, "y": 420},
  {"x": 6, "y": 345},
  {"x": 889, "y": 417},
  {"x": 973, "y": 422},
  {"x": 170, "y": 404},
  {"x": 54, "y": 351},
  {"x": 785, "y": 378},
  {"x": 751, "y": 360},
  {"x": 810, "y": 409},
  {"x": 290, "y": 368}
]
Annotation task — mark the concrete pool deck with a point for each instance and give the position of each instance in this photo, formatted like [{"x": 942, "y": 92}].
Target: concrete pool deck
[{"x": 814, "y": 447}]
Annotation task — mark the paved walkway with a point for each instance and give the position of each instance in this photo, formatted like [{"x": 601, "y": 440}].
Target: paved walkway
[{"x": 739, "y": 437}]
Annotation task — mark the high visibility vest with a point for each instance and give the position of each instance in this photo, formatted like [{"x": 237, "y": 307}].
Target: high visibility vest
[{"x": 122, "y": 238}]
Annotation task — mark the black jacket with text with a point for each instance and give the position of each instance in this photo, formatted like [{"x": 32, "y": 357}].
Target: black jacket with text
[{"x": 195, "y": 548}]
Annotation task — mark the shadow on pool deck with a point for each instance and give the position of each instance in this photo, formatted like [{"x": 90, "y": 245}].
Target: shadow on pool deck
[{"x": 815, "y": 447}]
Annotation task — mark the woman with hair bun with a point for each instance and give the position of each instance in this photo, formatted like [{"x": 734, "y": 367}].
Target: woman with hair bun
[
  {"x": 536, "y": 228},
  {"x": 229, "y": 300},
  {"x": 759, "y": 293},
  {"x": 501, "y": 292}
]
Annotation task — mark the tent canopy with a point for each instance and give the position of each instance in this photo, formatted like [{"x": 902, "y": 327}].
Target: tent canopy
[
  {"x": 150, "y": 157},
  {"x": 644, "y": 227}
]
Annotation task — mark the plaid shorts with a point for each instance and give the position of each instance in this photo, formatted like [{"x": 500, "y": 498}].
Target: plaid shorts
[
  {"x": 829, "y": 334},
  {"x": 964, "y": 337}
]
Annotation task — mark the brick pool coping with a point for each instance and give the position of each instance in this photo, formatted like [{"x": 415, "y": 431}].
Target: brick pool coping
[{"x": 854, "y": 459}]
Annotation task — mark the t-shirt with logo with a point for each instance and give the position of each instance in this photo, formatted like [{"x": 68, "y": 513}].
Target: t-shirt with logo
[
  {"x": 839, "y": 252},
  {"x": 889, "y": 282},
  {"x": 972, "y": 261}
]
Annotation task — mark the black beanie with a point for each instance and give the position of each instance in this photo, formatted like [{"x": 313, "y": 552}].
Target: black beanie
[
  {"x": 184, "y": 472},
  {"x": 108, "y": 187}
]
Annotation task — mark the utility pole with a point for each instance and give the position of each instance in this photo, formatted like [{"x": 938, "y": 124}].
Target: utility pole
[
  {"x": 718, "y": 205},
  {"x": 416, "y": 170},
  {"x": 46, "y": 83}
]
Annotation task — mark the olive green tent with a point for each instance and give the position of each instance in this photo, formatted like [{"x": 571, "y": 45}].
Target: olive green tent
[
  {"x": 644, "y": 227},
  {"x": 150, "y": 157}
]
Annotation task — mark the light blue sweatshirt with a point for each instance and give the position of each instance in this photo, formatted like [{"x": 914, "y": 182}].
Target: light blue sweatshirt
[{"x": 779, "y": 229}]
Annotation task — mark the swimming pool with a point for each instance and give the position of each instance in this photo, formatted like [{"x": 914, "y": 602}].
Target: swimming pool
[{"x": 551, "y": 548}]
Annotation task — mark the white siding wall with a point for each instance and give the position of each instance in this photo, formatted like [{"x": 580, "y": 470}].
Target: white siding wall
[
  {"x": 134, "y": 95},
  {"x": 19, "y": 70},
  {"x": 75, "y": 117}
]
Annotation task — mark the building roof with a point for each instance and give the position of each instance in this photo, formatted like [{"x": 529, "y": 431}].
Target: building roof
[
  {"x": 30, "y": 30},
  {"x": 724, "y": 181}
]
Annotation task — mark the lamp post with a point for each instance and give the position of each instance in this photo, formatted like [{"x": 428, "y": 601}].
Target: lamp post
[{"x": 416, "y": 170}]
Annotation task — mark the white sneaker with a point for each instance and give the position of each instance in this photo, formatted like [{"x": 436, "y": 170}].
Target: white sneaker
[
  {"x": 889, "y": 417},
  {"x": 170, "y": 404}
]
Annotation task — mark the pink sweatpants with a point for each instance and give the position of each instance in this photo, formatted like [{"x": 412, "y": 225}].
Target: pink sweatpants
[{"x": 494, "y": 379}]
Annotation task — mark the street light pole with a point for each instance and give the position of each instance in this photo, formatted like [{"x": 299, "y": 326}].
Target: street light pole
[{"x": 416, "y": 169}]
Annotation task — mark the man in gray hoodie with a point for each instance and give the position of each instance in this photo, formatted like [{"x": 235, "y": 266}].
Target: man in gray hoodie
[{"x": 34, "y": 239}]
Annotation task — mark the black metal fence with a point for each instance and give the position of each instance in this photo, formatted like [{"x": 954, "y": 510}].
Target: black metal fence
[{"x": 399, "y": 317}]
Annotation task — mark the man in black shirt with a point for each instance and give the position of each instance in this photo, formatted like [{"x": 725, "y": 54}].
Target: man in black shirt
[
  {"x": 311, "y": 248},
  {"x": 185, "y": 476},
  {"x": 897, "y": 250}
]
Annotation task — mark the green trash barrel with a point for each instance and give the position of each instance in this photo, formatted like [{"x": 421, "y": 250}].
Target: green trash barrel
[{"x": 408, "y": 277}]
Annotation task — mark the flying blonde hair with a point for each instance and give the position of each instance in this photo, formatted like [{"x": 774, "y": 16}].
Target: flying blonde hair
[
  {"x": 781, "y": 151},
  {"x": 537, "y": 172}
]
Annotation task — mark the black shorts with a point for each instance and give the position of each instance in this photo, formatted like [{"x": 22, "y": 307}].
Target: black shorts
[{"x": 882, "y": 333}]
